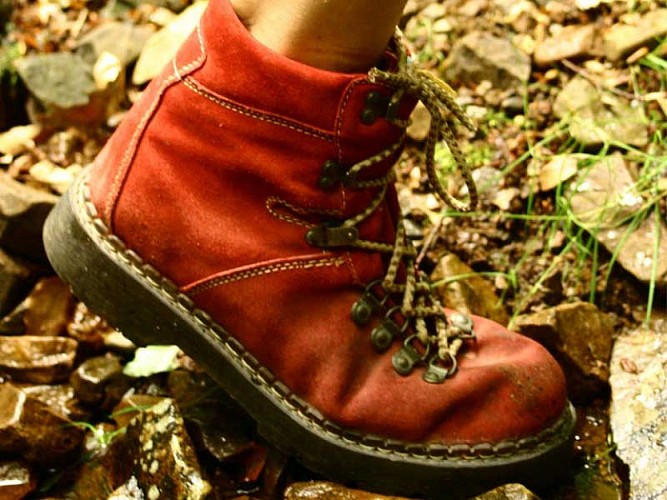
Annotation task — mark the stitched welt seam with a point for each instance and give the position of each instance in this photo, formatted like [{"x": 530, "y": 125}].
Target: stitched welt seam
[
  {"x": 261, "y": 271},
  {"x": 237, "y": 108}
]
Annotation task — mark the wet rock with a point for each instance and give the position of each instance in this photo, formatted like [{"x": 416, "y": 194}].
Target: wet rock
[
  {"x": 131, "y": 405},
  {"x": 41, "y": 360},
  {"x": 47, "y": 308},
  {"x": 639, "y": 408},
  {"x": 330, "y": 491},
  {"x": 32, "y": 429},
  {"x": 508, "y": 492},
  {"x": 597, "y": 116},
  {"x": 481, "y": 56},
  {"x": 605, "y": 199},
  {"x": 215, "y": 422},
  {"x": 23, "y": 211},
  {"x": 466, "y": 291},
  {"x": 128, "y": 491},
  {"x": 621, "y": 39},
  {"x": 165, "y": 462},
  {"x": 16, "y": 480},
  {"x": 92, "y": 377},
  {"x": 570, "y": 42},
  {"x": 162, "y": 46},
  {"x": 16, "y": 279},
  {"x": 65, "y": 89},
  {"x": 60, "y": 398},
  {"x": 579, "y": 336},
  {"x": 123, "y": 40}
]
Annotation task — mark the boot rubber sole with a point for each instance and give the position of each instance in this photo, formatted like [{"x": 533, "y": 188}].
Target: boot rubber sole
[{"x": 115, "y": 283}]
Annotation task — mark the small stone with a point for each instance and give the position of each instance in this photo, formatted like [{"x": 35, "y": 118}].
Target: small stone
[
  {"x": 17, "y": 139},
  {"x": 41, "y": 360},
  {"x": 621, "y": 39},
  {"x": 16, "y": 480},
  {"x": 162, "y": 46},
  {"x": 481, "y": 56},
  {"x": 557, "y": 170},
  {"x": 48, "y": 308},
  {"x": 570, "y": 42},
  {"x": 508, "y": 492},
  {"x": 420, "y": 123},
  {"x": 330, "y": 491},
  {"x": 23, "y": 211},
  {"x": 16, "y": 279},
  {"x": 433, "y": 10},
  {"x": 468, "y": 292},
  {"x": 579, "y": 336},
  {"x": 123, "y": 40},
  {"x": 131, "y": 405},
  {"x": 30, "y": 428},
  {"x": 88, "y": 329},
  {"x": 639, "y": 408},
  {"x": 596, "y": 116},
  {"x": 58, "y": 178},
  {"x": 92, "y": 377}
]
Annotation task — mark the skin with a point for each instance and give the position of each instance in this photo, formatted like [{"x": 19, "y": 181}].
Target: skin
[{"x": 336, "y": 35}]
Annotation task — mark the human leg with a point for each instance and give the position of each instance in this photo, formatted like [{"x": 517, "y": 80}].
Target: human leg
[
  {"x": 337, "y": 35},
  {"x": 244, "y": 211}
]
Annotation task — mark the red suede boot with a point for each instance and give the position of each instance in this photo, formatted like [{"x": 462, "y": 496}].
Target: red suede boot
[{"x": 244, "y": 211}]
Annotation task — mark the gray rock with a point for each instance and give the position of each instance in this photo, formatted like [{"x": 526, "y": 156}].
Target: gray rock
[
  {"x": 481, "y": 56},
  {"x": 639, "y": 408},
  {"x": 596, "y": 117},
  {"x": 621, "y": 39},
  {"x": 41, "y": 360},
  {"x": 573, "y": 41},
  {"x": 604, "y": 200},
  {"x": 32, "y": 429},
  {"x": 62, "y": 79},
  {"x": 123, "y": 40},
  {"x": 23, "y": 211},
  {"x": 579, "y": 336}
]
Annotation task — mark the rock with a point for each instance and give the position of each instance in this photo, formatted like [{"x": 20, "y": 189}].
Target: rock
[
  {"x": 123, "y": 40},
  {"x": 579, "y": 336},
  {"x": 508, "y": 492},
  {"x": 65, "y": 88},
  {"x": 481, "y": 56},
  {"x": 467, "y": 292},
  {"x": 330, "y": 491},
  {"x": 131, "y": 405},
  {"x": 88, "y": 329},
  {"x": 92, "y": 377},
  {"x": 420, "y": 123},
  {"x": 621, "y": 39},
  {"x": 173, "y": 5},
  {"x": 215, "y": 422},
  {"x": 605, "y": 199},
  {"x": 162, "y": 46},
  {"x": 30, "y": 428},
  {"x": 597, "y": 117},
  {"x": 639, "y": 408},
  {"x": 571, "y": 42},
  {"x": 23, "y": 211},
  {"x": 57, "y": 178},
  {"x": 153, "y": 359},
  {"x": 557, "y": 170},
  {"x": 165, "y": 463},
  {"x": 16, "y": 279},
  {"x": 41, "y": 360},
  {"x": 16, "y": 480},
  {"x": 48, "y": 308},
  {"x": 17, "y": 139},
  {"x": 128, "y": 491},
  {"x": 60, "y": 398}
]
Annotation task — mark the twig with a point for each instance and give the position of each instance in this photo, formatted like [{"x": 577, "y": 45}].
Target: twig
[{"x": 428, "y": 242}]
